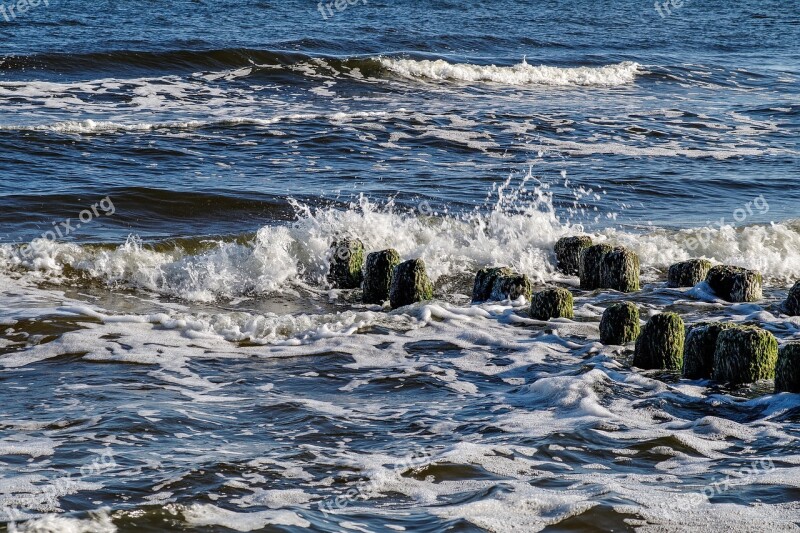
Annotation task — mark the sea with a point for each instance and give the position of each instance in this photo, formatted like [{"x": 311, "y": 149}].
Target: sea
[{"x": 172, "y": 175}]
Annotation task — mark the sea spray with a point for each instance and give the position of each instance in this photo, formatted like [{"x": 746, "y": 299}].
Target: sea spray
[{"x": 518, "y": 226}]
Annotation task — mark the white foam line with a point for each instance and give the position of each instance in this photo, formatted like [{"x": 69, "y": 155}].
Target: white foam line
[
  {"x": 519, "y": 74},
  {"x": 92, "y": 126}
]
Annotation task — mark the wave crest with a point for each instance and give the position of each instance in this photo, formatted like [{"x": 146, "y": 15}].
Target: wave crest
[
  {"x": 520, "y": 74},
  {"x": 518, "y": 228}
]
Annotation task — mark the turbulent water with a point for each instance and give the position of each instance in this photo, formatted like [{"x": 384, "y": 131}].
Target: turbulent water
[{"x": 173, "y": 174}]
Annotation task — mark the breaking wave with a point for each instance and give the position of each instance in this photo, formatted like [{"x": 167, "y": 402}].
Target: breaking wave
[
  {"x": 519, "y": 229},
  {"x": 519, "y": 74}
]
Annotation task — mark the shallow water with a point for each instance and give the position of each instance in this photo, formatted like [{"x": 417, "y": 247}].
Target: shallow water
[{"x": 173, "y": 175}]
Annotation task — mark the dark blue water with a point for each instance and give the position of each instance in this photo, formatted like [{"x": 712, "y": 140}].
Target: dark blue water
[{"x": 172, "y": 175}]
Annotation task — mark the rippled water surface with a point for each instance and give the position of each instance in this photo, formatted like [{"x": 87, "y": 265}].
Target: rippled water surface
[{"x": 172, "y": 356}]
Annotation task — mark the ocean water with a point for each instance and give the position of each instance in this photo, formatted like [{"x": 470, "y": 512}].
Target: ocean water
[{"x": 173, "y": 173}]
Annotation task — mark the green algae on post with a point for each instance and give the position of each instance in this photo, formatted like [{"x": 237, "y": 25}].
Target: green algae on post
[
  {"x": 745, "y": 354},
  {"x": 378, "y": 275},
  {"x": 500, "y": 283},
  {"x": 511, "y": 287},
  {"x": 619, "y": 270},
  {"x": 660, "y": 346},
  {"x": 484, "y": 282},
  {"x": 410, "y": 284},
  {"x": 792, "y": 304},
  {"x": 346, "y": 262},
  {"x": 554, "y": 302},
  {"x": 699, "y": 348},
  {"x": 688, "y": 273},
  {"x": 568, "y": 253},
  {"x": 591, "y": 264},
  {"x": 787, "y": 370},
  {"x": 735, "y": 284},
  {"x": 620, "y": 324}
]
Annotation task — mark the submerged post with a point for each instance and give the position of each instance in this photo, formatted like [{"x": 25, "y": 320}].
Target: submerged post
[
  {"x": 660, "y": 346},
  {"x": 620, "y": 324},
  {"x": 688, "y": 273},
  {"x": 378, "y": 273},
  {"x": 735, "y": 284},
  {"x": 554, "y": 302},
  {"x": 745, "y": 354},
  {"x": 568, "y": 253},
  {"x": 410, "y": 284},
  {"x": 346, "y": 258}
]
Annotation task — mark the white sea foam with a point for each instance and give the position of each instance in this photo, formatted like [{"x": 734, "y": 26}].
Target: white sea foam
[
  {"x": 667, "y": 149},
  {"x": 100, "y": 522},
  {"x": 103, "y": 126},
  {"x": 199, "y": 515},
  {"x": 528, "y": 508},
  {"x": 519, "y": 231},
  {"x": 27, "y": 446},
  {"x": 519, "y": 74},
  {"x": 558, "y": 381},
  {"x": 568, "y": 384}
]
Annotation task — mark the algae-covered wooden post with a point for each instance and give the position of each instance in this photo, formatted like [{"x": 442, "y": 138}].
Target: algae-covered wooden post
[
  {"x": 660, "y": 346},
  {"x": 590, "y": 265},
  {"x": 607, "y": 267},
  {"x": 688, "y": 273},
  {"x": 699, "y": 348},
  {"x": 554, "y": 302},
  {"x": 378, "y": 273},
  {"x": 346, "y": 258},
  {"x": 745, "y": 354},
  {"x": 787, "y": 370},
  {"x": 568, "y": 253},
  {"x": 500, "y": 283},
  {"x": 410, "y": 284},
  {"x": 484, "y": 282},
  {"x": 619, "y": 270},
  {"x": 792, "y": 304},
  {"x": 620, "y": 324},
  {"x": 735, "y": 284}
]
